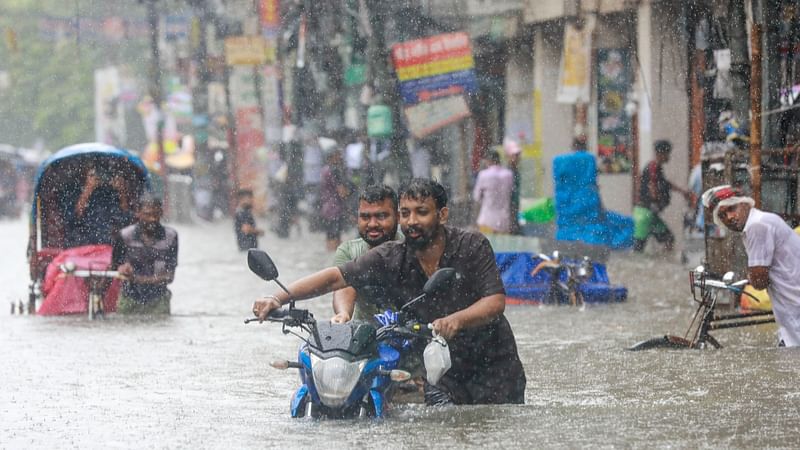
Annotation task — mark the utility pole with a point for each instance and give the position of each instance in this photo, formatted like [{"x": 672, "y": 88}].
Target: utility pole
[
  {"x": 755, "y": 124},
  {"x": 200, "y": 118},
  {"x": 379, "y": 75},
  {"x": 740, "y": 61},
  {"x": 156, "y": 93}
]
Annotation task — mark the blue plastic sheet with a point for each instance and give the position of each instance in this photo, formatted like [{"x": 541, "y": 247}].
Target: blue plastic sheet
[
  {"x": 515, "y": 271},
  {"x": 579, "y": 212}
]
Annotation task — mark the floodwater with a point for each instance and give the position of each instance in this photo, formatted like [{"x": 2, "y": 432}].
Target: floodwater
[{"x": 200, "y": 378}]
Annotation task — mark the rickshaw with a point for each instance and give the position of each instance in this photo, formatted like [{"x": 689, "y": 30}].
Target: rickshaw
[{"x": 54, "y": 257}]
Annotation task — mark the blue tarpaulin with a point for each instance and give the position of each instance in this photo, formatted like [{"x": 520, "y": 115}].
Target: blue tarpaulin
[
  {"x": 515, "y": 271},
  {"x": 579, "y": 212}
]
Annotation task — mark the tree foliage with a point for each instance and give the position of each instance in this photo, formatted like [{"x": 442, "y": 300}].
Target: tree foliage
[{"x": 51, "y": 93}]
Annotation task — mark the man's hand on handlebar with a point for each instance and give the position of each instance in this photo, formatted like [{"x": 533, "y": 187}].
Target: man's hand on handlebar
[
  {"x": 447, "y": 327},
  {"x": 341, "y": 317},
  {"x": 126, "y": 270},
  {"x": 263, "y": 307}
]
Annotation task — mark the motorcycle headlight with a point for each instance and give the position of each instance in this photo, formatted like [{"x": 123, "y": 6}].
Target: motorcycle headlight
[{"x": 335, "y": 378}]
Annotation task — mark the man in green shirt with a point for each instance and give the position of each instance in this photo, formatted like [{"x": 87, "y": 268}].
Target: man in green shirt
[{"x": 377, "y": 223}]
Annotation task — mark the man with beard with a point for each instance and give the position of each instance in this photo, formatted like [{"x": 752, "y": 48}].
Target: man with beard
[
  {"x": 377, "y": 223},
  {"x": 773, "y": 254},
  {"x": 486, "y": 368},
  {"x": 146, "y": 254}
]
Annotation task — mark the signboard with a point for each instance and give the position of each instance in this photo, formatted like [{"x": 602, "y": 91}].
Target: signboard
[
  {"x": 109, "y": 118},
  {"x": 435, "y": 74},
  {"x": 271, "y": 102},
  {"x": 435, "y": 63},
  {"x": 176, "y": 28},
  {"x": 269, "y": 16},
  {"x": 574, "y": 73},
  {"x": 242, "y": 87},
  {"x": 425, "y": 118},
  {"x": 614, "y": 81},
  {"x": 491, "y": 7},
  {"x": 250, "y": 171},
  {"x": 246, "y": 51}
]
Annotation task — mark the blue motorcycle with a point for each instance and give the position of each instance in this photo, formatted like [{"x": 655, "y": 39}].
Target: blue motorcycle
[{"x": 347, "y": 370}]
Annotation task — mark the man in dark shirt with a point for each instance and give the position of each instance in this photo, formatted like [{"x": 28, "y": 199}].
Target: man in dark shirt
[
  {"x": 246, "y": 231},
  {"x": 485, "y": 365},
  {"x": 654, "y": 196},
  {"x": 146, "y": 253}
]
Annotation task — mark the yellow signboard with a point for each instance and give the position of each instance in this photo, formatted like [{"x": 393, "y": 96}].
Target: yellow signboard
[{"x": 247, "y": 51}]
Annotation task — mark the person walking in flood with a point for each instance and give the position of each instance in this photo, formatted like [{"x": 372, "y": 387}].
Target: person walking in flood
[
  {"x": 146, "y": 254},
  {"x": 492, "y": 191},
  {"x": 247, "y": 232},
  {"x": 486, "y": 368},
  {"x": 773, "y": 254},
  {"x": 654, "y": 197},
  {"x": 377, "y": 223},
  {"x": 513, "y": 153},
  {"x": 334, "y": 190}
]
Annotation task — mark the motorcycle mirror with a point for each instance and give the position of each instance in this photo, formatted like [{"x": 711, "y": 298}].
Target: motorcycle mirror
[
  {"x": 700, "y": 269},
  {"x": 727, "y": 278},
  {"x": 441, "y": 279},
  {"x": 261, "y": 264}
]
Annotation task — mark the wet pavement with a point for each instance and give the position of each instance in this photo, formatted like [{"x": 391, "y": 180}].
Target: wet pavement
[{"x": 200, "y": 378}]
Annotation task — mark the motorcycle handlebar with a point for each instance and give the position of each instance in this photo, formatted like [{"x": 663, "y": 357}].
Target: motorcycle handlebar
[
  {"x": 298, "y": 316},
  {"x": 412, "y": 329}
]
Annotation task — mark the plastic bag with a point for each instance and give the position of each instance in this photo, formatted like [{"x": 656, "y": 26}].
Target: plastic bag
[{"x": 437, "y": 359}]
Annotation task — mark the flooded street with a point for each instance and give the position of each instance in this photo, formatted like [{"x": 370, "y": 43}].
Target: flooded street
[{"x": 200, "y": 378}]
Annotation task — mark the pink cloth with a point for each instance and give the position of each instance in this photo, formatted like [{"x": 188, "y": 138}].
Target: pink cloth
[
  {"x": 70, "y": 295},
  {"x": 493, "y": 191}
]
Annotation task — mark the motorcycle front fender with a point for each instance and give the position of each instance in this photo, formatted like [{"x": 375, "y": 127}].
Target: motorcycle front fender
[
  {"x": 299, "y": 400},
  {"x": 378, "y": 402}
]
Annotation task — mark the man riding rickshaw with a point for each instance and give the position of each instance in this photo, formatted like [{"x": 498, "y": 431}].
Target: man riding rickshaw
[{"x": 83, "y": 195}]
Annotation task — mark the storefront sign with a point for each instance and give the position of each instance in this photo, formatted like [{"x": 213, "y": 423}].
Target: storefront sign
[
  {"x": 434, "y": 67},
  {"x": 614, "y": 81},
  {"x": 270, "y": 96},
  {"x": 575, "y": 71},
  {"x": 246, "y": 51},
  {"x": 109, "y": 118},
  {"x": 435, "y": 75},
  {"x": 427, "y": 117},
  {"x": 269, "y": 14},
  {"x": 490, "y": 7},
  {"x": 242, "y": 87},
  {"x": 250, "y": 171},
  {"x": 176, "y": 28}
]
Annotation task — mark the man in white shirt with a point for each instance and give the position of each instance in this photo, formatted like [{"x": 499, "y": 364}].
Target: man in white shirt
[
  {"x": 773, "y": 254},
  {"x": 493, "y": 191}
]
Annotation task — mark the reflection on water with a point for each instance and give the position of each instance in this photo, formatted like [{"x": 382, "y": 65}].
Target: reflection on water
[{"x": 202, "y": 377}]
